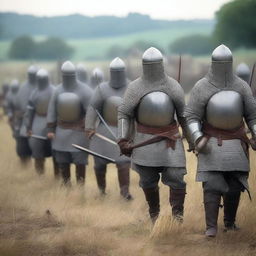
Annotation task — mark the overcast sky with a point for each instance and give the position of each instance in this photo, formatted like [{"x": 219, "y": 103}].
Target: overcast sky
[{"x": 160, "y": 9}]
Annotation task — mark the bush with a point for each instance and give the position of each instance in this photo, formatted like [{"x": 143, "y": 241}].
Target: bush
[
  {"x": 193, "y": 44},
  {"x": 22, "y": 48},
  {"x": 25, "y": 47}
]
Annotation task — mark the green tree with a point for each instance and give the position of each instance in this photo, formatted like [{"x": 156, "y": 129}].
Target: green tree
[
  {"x": 53, "y": 49},
  {"x": 236, "y": 24},
  {"x": 193, "y": 44},
  {"x": 22, "y": 48}
]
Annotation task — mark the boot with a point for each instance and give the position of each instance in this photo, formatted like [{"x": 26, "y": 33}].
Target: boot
[
  {"x": 211, "y": 206},
  {"x": 176, "y": 199},
  {"x": 25, "y": 161},
  {"x": 56, "y": 169},
  {"x": 152, "y": 197},
  {"x": 80, "y": 174},
  {"x": 65, "y": 173},
  {"x": 231, "y": 202},
  {"x": 123, "y": 172},
  {"x": 39, "y": 165},
  {"x": 100, "y": 173}
]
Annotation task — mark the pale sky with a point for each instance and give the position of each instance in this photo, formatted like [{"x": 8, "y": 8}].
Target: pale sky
[{"x": 158, "y": 9}]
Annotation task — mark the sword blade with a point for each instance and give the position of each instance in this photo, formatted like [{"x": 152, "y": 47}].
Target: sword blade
[
  {"x": 104, "y": 122},
  {"x": 105, "y": 138},
  {"x": 93, "y": 153},
  {"x": 38, "y": 137}
]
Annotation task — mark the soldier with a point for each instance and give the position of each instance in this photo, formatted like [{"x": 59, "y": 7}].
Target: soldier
[
  {"x": 5, "y": 92},
  {"x": 146, "y": 117},
  {"x": 36, "y": 121},
  {"x": 81, "y": 73},
  {"x": 23, "y": 96},
  {"x": 217, "y": 106},
  {"x": 65, "y": 122},
  {"x": 106, "y": 99},
  {"x": 244, "y": 72},
  {"x": 97, "y": 77},
  {"x": 12, "y": 107}
]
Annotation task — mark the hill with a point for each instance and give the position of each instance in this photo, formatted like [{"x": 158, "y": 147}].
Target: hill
[{"x": 77, "y": 26}]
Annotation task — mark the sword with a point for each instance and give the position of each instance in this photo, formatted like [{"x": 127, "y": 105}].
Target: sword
[
  {"x": 38, "y": 137},
  {"x": 105, "y": 138},
  {"x": 93, "y": 153},
  {"x": 106, "y": 125}
]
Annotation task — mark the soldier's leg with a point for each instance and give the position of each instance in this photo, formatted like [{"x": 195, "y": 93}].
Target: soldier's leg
[
  {"x": 123, "y": 170},
  {"x": 100, "y": 168},
  {"x": 64, "y": 159},
  {"x": 55, "y": 168},
  {"x": 23, "y": 150},
  {"x": 174, "y": 178},
  {"x": 231, "y": 201},
  {"x": 214, "y": 186},
  {"x": 149, "y": 178},
  {"x": 39, "y": 165},
  {"x": 80, "y": 159}
]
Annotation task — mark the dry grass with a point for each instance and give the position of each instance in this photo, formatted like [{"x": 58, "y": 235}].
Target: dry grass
[{"x": 39, "y": 217}]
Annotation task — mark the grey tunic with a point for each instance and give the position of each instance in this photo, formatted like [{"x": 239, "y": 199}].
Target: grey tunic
[
  {"x": 35, "y": 120},
  {"x": 156, "y": 154},
  {"x": 230, "y": 156},
  {"x": 23, "y": 97},
  {"x": 64, "y": 138},
  {"x": 101, "y": 94}
]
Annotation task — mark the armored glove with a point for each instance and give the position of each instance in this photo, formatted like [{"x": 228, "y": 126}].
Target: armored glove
[
  {"x": 51, "y": 135},
  {"x": 253, "y": 143},
  {"x": 89, "y": 133},
  {"x": 200, "y": 144},
  {"x": 125, "y": 147}
]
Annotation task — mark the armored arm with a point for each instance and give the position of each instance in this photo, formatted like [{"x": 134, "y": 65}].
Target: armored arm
[
  {"x": 29, "y": 114},
  {"x": 52, "y": 113},
  {"x": 250, "y": 109},
  {"x": 91, "y": 115},
  {"x": 194, "y": 112}
]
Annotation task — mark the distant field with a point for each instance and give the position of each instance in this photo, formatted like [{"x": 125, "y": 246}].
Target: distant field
[{"x": 97, "y": 48}]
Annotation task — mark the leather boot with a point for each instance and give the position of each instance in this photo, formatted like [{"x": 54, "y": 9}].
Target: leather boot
[
  {"x": 80, "y": 174},
  {"x": 123, "y": 172},
  {"x": 176, "y": 199},
  {"x": 231, "y": 202},
  {"x": 152, "y": 197},
  {"x": 56, "y": 169},
  {"x": 100, "y": 173},
  {"x": 39, "y": 165},
  {"x": 65, "y": 173},
  {"x": 211, "y": 206}
]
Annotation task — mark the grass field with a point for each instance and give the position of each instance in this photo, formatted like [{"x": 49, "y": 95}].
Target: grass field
[
  {"x": 97, "y": 47},
  {"x": 39, "y": 217}
]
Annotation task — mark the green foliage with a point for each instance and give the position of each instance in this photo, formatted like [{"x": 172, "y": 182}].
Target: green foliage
[
  {"x": 194, "y": 45},
  {"x": 53, "y": 49},
  {"x": 236, "y": 24},
  {"x": 25, "y": 47},
  {"x": 22, "y": 48}
]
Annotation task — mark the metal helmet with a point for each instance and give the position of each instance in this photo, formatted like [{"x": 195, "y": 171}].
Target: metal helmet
[
  {"x": 153, "y": 68},
  {"x": 14, "y": 86},
  {"x": 32, "y": 70},
  {"x": 221, "y": 71},
  {"x": 81, "y": 72},
  {"x": 117, "y": 73},
  {"x": 68, "y": 71},
  {"x": 243, "y": 71},
  {"x": 97, "y": 77},
  {"x": 42, "y": 77}
]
